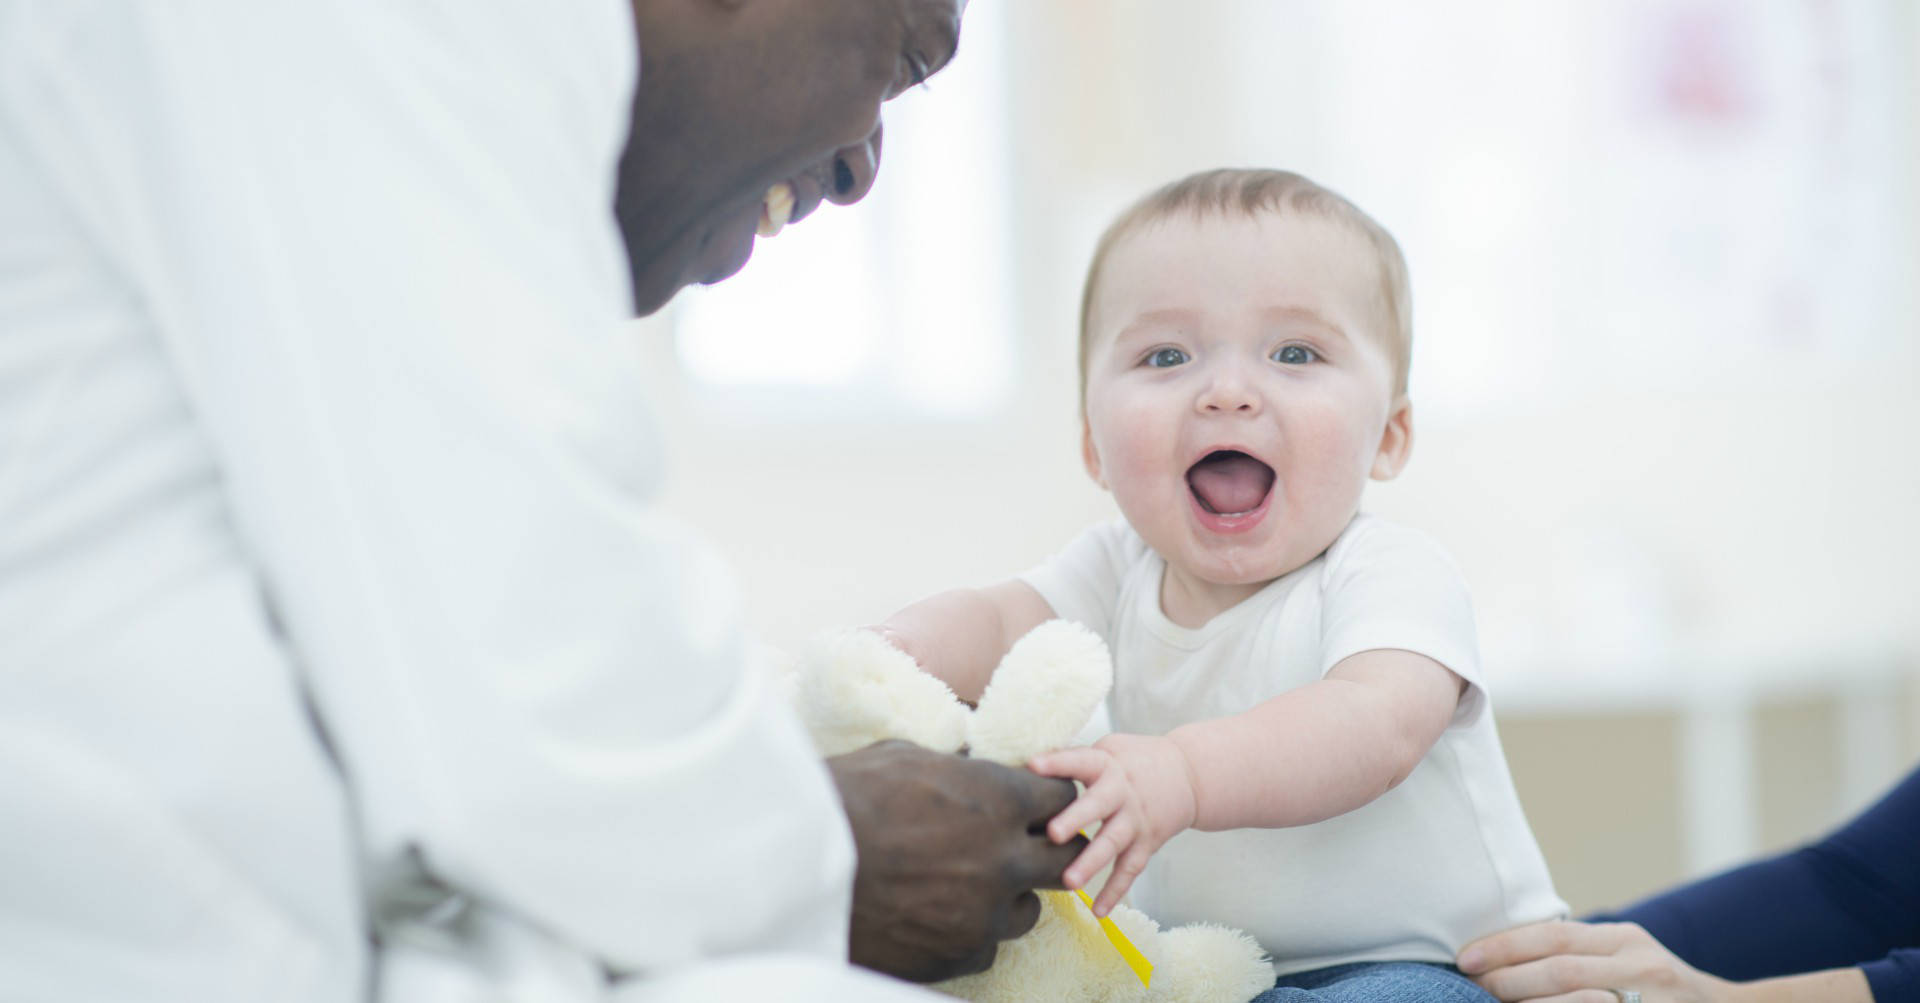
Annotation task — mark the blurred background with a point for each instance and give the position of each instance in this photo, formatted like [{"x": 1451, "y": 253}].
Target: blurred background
[{"x": 1663, "y": 259}]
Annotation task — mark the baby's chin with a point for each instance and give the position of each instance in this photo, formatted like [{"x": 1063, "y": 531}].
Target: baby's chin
[
  {"x": 1250, "y": 563},
  {"x": 1253, "y": 576},
  {"x": 1239, "y": 567}
]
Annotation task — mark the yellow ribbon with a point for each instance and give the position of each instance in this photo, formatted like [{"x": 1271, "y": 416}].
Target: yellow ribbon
[{"x": 1142, "y": 968}]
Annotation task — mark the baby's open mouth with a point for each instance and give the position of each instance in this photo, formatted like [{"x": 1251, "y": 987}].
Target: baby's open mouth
[{"x": 1229, "y": 482}]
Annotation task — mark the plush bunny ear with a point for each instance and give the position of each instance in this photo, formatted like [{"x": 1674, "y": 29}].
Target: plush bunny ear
[
  {"x": 1205, "y": 963},
  {"x": 1044, "y": 691},
  {"x": 854, "y": 689}
]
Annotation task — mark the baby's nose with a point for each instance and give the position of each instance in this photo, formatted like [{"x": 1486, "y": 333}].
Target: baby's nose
[{"x": 1229, "y": 391}]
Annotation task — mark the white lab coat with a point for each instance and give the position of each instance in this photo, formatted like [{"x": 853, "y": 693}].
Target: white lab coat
[{"x": 310, "y": 388}]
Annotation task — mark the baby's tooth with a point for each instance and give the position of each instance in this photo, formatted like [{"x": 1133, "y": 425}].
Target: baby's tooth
[{"x": 776, "y": 209}]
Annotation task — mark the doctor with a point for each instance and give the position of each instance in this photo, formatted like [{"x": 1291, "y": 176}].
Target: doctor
[{"x": 342, "y": 650}]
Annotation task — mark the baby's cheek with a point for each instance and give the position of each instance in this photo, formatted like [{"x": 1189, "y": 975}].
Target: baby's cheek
[
  {"x": 1333, "y": 446},
  {"x": 1138, "y": 443}
]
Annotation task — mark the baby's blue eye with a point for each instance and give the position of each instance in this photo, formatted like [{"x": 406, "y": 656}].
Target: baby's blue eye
[
  {"x": 1295, "y": 355},
  {"x": 1166, "y": 357}
]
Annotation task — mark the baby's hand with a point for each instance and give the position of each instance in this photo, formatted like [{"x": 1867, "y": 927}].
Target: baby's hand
[{"x": 1140, "y": 790}]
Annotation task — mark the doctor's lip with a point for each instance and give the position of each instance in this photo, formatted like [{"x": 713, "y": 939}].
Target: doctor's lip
[
  {"x": 809, "y": 190},
  {"x": 728, "y": 247}
]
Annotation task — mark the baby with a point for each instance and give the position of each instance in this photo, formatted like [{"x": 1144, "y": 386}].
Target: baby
[{"x": 1302, "y": 747}]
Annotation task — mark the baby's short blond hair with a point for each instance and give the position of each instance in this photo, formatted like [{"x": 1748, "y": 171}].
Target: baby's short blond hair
[{"x": 1250, "y": 192}]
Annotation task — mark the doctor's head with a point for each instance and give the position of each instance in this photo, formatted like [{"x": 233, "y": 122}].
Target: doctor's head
[{"x": 750, "y": 113}]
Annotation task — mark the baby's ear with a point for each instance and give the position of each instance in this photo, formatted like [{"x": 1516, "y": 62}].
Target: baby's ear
[{"x": 1396, "y": 442}]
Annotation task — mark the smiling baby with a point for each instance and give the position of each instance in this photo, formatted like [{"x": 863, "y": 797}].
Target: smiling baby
[{"x": 1303, "y": 748}]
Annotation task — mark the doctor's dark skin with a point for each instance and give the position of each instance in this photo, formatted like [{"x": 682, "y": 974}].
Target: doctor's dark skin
[
  {"x": 736, "y": 96},
  {"x": 950, "y": 851}
]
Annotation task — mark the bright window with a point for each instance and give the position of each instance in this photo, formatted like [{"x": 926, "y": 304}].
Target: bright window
[{"x": 900, "y": 304}]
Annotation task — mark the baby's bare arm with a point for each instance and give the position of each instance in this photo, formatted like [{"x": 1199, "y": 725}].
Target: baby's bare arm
[
  {"x": 1321, "y": 750},
  {"x": 961, "y": 635},
  {"x": 1308, "y": 755}
]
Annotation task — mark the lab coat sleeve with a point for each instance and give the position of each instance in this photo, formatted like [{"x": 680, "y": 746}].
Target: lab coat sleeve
[{"x": 376, "y": 241}]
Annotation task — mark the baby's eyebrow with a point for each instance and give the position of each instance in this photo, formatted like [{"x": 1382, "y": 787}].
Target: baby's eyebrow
[
  {"x": 1158, "y": 320},
  {"x": 1308, "y": 315}
]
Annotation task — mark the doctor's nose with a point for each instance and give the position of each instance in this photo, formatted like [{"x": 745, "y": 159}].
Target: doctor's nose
[{"x": 852, "y": 169}]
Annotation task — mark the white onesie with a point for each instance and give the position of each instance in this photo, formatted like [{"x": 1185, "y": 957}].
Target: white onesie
[{"x": 1438, "y": 861}]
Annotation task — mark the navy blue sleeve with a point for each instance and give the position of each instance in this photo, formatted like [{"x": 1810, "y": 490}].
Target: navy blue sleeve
[
  {"x": 1896, "y": 977},
  {"x": 1852, "y": 898}
]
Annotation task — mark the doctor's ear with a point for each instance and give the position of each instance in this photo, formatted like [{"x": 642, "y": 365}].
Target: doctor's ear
[
  {"x": 1089, "y": 455},
  {"x": 1396, "y": 442}
]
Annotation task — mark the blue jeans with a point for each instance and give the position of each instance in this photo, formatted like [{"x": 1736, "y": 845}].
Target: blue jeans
[{"x": 1377, "y": 982}]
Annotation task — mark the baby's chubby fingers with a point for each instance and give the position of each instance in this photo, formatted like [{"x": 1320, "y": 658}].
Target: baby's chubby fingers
[
  {"x": 1116, "y": 835},
  {"x": 1106, "y": 789},
  {"x": 1082, "y": 762},
  {"x": 1125, "y": 869}
]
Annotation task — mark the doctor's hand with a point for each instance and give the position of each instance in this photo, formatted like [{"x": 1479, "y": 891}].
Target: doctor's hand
[{"x": 950, "y": 851}]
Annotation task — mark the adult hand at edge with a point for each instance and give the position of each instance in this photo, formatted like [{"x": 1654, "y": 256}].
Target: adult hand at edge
[
  {"x": 950, "y": 851},
  {"x": 1574, "y": 962}
]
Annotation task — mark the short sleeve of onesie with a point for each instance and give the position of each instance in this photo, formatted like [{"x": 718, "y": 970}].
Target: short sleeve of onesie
[
  {"x": 1082, "y": 582},
  {"x": 1389, "y": 586}
]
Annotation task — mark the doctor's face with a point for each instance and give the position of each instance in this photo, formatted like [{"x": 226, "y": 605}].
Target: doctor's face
[{"x": 750, "y": 113}]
